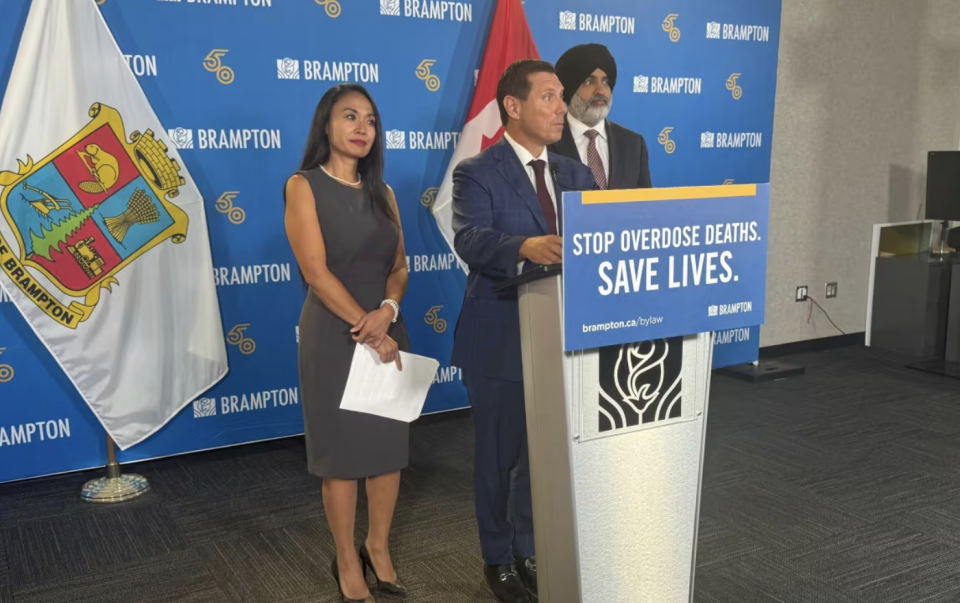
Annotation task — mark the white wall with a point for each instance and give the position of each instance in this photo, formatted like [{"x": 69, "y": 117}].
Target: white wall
[{"x": 865, "y": 88}]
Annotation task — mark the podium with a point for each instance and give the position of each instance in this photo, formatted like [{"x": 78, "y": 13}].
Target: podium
[
  {"x": 615, "y": 510},
  {"x": 616, "y": 428}
]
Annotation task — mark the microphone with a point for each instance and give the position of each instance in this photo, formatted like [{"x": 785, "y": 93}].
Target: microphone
[{"x": 555, "y": 172}]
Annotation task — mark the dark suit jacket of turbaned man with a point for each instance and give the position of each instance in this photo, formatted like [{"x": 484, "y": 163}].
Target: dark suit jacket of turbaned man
[{"x": 629, "y": 160}]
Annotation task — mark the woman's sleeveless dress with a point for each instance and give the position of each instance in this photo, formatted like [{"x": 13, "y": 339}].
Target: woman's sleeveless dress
[{"x": 361, "y": 244}]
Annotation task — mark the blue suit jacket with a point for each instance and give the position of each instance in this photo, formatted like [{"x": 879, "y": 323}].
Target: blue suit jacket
[{"x": 495, "y": 208}]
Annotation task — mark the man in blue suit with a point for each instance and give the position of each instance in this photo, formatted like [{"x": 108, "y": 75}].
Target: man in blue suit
[{"x": 507, "y": 215}]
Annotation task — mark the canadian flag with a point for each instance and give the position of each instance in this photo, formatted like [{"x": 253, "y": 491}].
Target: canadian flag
[{"x": 510, "y": 40}]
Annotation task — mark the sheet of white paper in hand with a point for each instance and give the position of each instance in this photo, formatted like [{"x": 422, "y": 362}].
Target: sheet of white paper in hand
[{"x": 380, "y": 389}]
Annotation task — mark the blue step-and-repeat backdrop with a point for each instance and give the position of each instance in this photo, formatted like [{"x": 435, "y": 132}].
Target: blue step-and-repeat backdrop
[{"x": 236, "y": 82}]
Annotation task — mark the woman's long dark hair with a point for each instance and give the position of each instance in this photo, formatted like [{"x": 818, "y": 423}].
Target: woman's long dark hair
[{"x": 370, "y": 167}]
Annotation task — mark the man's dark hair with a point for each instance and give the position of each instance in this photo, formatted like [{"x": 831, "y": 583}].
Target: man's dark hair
[{"x": 515, "y": 82}]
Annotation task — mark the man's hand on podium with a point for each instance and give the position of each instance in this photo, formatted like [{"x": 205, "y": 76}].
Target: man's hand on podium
[{"x": 542, "y": 250}]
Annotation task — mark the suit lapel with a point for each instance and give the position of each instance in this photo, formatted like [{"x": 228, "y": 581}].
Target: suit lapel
[
  {"x": 567, "y": 145},
  {"x": 558, "y": 192},
  {"x": 613, "y": 182},
  {"x": 515, "y": 174}
]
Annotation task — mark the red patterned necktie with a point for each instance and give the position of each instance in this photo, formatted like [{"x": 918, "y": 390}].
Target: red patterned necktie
[
  {"x": 543, "y": 194},
  {"x": 593, "y": 159}
]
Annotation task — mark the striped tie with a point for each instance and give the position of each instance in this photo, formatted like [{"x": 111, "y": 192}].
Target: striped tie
[
  {"x": 543, "y": 195},
  {"x": 593, "y": 159}
]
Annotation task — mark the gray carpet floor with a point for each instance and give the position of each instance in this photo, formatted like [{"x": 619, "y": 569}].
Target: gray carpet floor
[{"x": 840, "y": 486}]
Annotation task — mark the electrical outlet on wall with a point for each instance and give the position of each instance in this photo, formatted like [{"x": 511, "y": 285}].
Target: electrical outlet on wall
[
  {"x": 830, "y": 290},
  {"x": 801, "y": 293}
]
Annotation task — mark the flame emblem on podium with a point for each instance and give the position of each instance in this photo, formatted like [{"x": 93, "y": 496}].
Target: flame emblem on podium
[{"x": 640, "y": 383}]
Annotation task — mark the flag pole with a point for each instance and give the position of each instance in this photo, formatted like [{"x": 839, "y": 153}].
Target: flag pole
[{"x": 115, "y": 487}]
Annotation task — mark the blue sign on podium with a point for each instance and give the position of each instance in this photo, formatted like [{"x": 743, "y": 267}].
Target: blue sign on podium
[{"x": 653, "y": 263}]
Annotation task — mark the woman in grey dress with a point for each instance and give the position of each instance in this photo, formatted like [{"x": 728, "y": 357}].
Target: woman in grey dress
[{"x": 344, "y": 227}]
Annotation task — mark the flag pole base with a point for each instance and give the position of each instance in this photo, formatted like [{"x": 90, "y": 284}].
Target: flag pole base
[{"x": 114, "y": 488}]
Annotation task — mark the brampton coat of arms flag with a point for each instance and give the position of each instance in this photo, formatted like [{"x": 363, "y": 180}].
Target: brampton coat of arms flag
[
  {"x": 88, "y": 210},
  {"x": 103, "y": 239}
]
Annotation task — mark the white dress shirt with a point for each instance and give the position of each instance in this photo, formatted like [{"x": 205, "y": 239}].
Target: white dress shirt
[
  {"x": 578, "y": 130},
  {"x": 525, "y": 158}
]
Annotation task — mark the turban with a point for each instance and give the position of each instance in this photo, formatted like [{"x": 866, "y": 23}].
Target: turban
[{"x": 576, "y": 65}]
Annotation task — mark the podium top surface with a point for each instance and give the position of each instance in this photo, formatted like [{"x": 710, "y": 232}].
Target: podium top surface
[{"x": 529, "y": 276}]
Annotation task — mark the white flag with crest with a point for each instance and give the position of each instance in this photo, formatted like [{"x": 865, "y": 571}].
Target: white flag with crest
[{"x": 103, "y": 239}]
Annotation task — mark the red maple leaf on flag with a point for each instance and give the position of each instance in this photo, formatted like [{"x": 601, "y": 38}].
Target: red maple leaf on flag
[
  {"x": 509, "y": 41},
  {"x": 487, "y": 142}
]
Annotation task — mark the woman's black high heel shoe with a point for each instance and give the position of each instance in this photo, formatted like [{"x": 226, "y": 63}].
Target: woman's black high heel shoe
[
  {"x": 336, "y": 576},
  {"x": 393, "y": 588}
]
